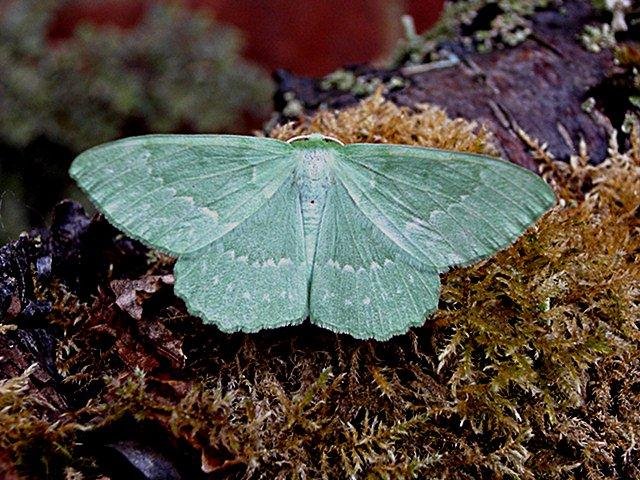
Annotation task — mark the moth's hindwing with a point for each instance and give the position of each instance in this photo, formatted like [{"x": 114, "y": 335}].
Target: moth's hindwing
[
  {"x": 362, "y": 283},
  {"x": 254, "y": 277}
]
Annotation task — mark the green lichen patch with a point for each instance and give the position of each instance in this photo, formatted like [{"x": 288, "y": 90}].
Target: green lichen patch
[
  {"x": 481, "y": 25},
  {"x": 596, "y": 38}
]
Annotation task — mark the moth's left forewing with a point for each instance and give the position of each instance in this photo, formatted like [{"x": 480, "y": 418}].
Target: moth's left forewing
[
  {"x": 442, "y": 208},
  {"x": 178, "y": 193}
]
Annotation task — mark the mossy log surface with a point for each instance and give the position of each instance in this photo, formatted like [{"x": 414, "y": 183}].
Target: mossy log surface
[
  {"x": 529, "y": 369},
  {"x": 538, "y": 86}
]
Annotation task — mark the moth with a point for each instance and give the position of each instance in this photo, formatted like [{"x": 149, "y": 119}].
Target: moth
[{"x": 267, "y": 232}]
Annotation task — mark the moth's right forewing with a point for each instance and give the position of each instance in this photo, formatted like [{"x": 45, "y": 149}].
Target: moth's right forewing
[
  {"x": 179, "y": 193},
  {"x": 443, "y": 208}
]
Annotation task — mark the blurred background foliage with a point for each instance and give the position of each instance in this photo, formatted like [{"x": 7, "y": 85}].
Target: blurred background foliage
[{"x": 176, "y": 70}]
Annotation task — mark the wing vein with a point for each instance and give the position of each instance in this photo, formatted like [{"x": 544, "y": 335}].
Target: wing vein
[
  {"x": 453, "y": 200},
  {"x": 409, "y": 240}
]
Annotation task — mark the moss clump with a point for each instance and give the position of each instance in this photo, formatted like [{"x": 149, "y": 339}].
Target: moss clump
[
  {"x": 529, "y": 369},
  {"x": 376, "y": 120},
  {"x": 29, "y": 439},
  {"x": 481, "y": 25}
]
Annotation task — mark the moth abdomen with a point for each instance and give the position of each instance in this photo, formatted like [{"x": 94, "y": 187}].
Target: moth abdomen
[{"x": 314, "y": 177}]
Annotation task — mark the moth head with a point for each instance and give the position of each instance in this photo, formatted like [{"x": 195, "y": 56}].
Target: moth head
[{"x": 314, "y": 139}]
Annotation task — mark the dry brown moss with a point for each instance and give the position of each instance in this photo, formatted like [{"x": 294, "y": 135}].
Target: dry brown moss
[
  {"x": 28, "y": 437},
  {"x": 538, "y": 346},
  {"x": 375, "y": 120},
  {"x": 529, "y": 369}
]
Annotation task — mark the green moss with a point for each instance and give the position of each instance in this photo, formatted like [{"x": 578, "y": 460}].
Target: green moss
[{"x": 483, "y": 25}]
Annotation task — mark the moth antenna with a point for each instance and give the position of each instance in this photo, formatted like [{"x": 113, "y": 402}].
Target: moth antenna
[{"x": 315, "y": 136}]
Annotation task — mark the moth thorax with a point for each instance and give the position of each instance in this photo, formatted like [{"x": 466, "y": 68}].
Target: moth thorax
[{"x": 315, "y": 165}]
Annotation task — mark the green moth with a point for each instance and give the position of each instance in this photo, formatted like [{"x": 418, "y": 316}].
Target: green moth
[{"x": 268, "y": 233}]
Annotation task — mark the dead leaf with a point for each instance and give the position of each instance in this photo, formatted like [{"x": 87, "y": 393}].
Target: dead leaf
[
  {"x": 131, "y": 294},
  {"x": 164, "y": 342},
  {"x": 212, "y": 461},
  {"x": 15, "y": 307}
]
